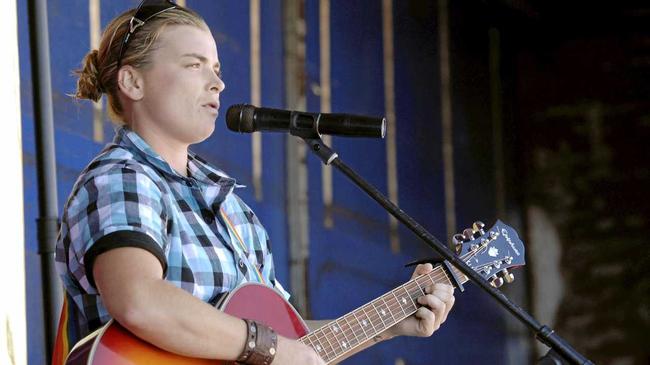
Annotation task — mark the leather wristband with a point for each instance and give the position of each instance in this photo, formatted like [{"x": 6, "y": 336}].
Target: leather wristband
[{"x": 261, "y": 344}]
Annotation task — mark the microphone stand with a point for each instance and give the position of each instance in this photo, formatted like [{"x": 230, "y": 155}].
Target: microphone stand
[{"x": 543, "y": 333}]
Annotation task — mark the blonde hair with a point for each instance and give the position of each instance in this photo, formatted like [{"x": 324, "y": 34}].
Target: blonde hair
[{"x": 99, "y": 72}]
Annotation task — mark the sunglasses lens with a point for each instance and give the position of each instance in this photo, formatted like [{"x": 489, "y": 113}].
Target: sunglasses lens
[{"x": 149, "y": 8}]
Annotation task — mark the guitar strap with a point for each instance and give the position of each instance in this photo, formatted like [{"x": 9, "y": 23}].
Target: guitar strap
[{"x": 232, "y": 229}]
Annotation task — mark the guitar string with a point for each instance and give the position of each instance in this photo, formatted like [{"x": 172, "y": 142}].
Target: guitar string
[
  {"x": 335, "y": 351},
  {"x": 418, "y": 290},
  {"x": 392, "y": 306}
]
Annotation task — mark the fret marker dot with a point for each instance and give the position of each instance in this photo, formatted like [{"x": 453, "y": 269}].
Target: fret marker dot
[
  {"x": 383, "y": 312},
  {"x": 335, "y": 328},
  {"x": 318, "y": 348},
  {"x": 365, "y": 323},
  {"x": 345, "y": 345},
  {"x": 403, "y": 300}
]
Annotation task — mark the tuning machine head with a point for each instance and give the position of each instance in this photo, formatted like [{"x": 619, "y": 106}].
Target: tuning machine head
[
  {"x": 468, "y": 233},
  {"x": 507, "y": 276},
  {"x": 457, "y": 243},
  {"x": 496, "y": 281},
  {"x": 478, "y": 227}
]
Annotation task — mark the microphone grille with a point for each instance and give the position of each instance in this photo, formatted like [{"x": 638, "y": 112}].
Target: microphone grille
[{"x": 240, "y": 118}]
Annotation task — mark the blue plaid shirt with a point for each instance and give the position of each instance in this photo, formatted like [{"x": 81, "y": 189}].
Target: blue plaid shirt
[{"x": 129, "y": 196}]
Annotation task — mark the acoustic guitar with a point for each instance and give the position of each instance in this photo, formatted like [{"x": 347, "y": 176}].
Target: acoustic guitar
[{"x": 490, "y": 253}]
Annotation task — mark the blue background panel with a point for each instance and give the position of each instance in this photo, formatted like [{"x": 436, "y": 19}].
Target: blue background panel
[{"x": 351, "y": 263}]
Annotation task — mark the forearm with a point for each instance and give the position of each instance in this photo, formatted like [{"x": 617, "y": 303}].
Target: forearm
[
  {"x": 174, "y": 320},
  {"x": 130, "y": 283}
]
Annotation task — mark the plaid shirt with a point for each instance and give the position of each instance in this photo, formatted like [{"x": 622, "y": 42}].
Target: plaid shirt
[{"x": 129, "y": 196}]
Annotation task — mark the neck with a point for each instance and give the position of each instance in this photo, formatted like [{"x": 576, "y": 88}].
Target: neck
[
  {"x": 171, "y": 150},
  {"x": 342, "y": 335}
]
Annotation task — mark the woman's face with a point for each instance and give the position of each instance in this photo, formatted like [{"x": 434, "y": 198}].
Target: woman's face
[{"x": 182, "y": 85}]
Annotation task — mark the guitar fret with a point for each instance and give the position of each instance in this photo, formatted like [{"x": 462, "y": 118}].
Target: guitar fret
[
  {"x": 342, "y": 335},
  {"x": 359, "y": 322},
  {"x": 332, "y": 349},
  {"x": 399, "y": 303},
  {"x": 418, "y": 284},
  {"x": 449, "y": 281},
  {"x": 359, "y": 333},
  {"x": 334, "y": 337},
  {"x": 389, "y": 310},
  {"x": 372, "y": 321},
  {"x": 415, "y": 306},
  {"x": 368, "y": 320},
  {"x": 338, "y": 329},
  {"x": 408, "y": 310},
  {"x": 321, "y": 348},
  {"x": 430, "y": 278},
  {"x": 379, "y": 315},
  {"x": 353, "y": 332}
]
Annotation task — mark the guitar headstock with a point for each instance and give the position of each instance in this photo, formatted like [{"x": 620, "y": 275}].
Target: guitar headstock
[{"x": 492, "y": 252}]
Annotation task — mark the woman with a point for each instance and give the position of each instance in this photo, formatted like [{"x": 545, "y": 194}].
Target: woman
[{"x": 151, "y": 234}]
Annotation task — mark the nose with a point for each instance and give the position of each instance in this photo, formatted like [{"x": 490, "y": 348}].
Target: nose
[{"x": 216, "y": 83}]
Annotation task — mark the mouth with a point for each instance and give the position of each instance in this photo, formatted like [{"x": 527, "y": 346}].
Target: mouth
[{"x": 213, "y": 107}]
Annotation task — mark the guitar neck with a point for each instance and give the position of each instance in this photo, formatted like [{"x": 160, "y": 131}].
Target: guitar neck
[{"x": 342, "y": 335}]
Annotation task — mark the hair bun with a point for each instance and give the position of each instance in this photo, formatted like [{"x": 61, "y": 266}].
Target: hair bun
[{"x": 89, "y": 85}]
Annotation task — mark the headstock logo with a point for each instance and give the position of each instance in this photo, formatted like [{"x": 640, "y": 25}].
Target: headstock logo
[
  {"x": 493, "y": 251},
  {"x": 504, "y": 233}
]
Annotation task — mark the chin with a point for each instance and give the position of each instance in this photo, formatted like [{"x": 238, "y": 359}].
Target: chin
[{"x": 203, "y": 133}]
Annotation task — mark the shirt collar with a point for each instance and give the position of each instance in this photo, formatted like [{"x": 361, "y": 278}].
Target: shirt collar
[{"x": 200, "y": 171}]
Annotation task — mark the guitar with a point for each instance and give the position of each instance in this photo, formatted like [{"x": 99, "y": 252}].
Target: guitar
[{"x": 490, "y": 253}]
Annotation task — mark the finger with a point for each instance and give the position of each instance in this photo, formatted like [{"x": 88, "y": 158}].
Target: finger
[
  {"x": 444, "y": 287},
  {"x": 436, "y": 305},
  {"x": 426, "y": 322},
  {"x": 449, "y": 301},
  {"x": 422, "y": 269},
  {"x": 446, "y": 294}
]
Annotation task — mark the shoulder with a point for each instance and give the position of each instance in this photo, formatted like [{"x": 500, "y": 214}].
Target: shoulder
[{"x": 115, "y": 169}]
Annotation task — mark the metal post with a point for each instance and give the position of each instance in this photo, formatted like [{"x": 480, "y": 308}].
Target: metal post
[{"x": 47, "y": 222}]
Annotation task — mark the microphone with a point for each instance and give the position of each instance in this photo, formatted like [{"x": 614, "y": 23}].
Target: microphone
[{"x": 245, "y": 118}]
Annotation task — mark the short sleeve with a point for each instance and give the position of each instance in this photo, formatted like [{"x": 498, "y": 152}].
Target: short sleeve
[{"x": 121, "y": 207}]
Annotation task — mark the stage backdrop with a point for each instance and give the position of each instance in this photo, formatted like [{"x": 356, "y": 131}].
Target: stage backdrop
[{"x": 381, "y": 58}]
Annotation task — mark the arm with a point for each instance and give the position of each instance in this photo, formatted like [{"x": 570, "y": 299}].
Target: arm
[{"x": 131, "y": 285}]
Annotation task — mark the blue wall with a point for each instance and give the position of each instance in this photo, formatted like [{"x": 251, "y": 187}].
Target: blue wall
[{"x": 351, "y": 263}]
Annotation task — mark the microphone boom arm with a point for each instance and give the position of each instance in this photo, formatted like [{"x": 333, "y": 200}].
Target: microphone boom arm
[{"x": 543, "y": 333}]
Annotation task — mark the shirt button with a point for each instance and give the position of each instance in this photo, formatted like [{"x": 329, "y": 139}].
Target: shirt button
[{"x": 241, "y": 263}]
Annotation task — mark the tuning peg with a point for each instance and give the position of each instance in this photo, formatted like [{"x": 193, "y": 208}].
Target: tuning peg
[
  {"x": 457, "y": 243},
  {"x": 477, "y": 227},
  {"x": 468, "y": 233},
  {"x": 496, "y": 281},
  {"x": 507, "y": 276}
]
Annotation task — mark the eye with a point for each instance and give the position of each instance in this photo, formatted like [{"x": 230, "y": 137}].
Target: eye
[{"x": 194, "y": 65}]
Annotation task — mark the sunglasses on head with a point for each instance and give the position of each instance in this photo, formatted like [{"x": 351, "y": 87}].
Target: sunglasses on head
[{"x": 146, "y": 10}]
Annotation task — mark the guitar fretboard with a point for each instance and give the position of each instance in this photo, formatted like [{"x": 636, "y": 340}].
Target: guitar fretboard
[{"x": 342, "y": 335}]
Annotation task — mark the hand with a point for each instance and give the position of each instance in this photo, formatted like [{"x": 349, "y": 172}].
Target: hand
[
  {"x": 436, "y": 305},
  {"x": 293, "y": 352}
]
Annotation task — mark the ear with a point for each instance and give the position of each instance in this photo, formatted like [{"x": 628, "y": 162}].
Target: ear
[{"x": 130, "y": 82}]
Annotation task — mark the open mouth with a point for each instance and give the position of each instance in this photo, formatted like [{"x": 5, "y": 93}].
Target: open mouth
[{"x": 212, "y": 106}]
